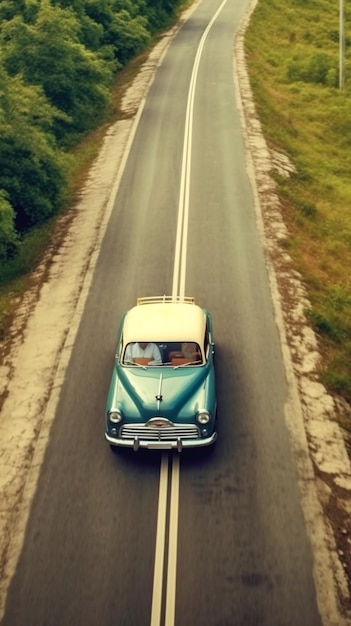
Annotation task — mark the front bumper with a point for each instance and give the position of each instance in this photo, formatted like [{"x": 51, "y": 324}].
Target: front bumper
[{"x": 172, "y": 444}]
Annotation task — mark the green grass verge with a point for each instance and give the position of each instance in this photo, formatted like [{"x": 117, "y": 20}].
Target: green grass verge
[{"x": 293, "y": 57}]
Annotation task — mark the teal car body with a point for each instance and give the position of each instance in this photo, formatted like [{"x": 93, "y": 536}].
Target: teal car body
[{"x": 169, "y": 401}]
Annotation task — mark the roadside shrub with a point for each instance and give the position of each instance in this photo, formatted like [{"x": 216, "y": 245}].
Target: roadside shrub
[
  {"x": 34, "y": 182},
  {"x": 339, "y": 383},
  {"x": 8, "y": 235},
  {"x": 124, "y": 31},
  {"x": 49, "y": 53},
  {"x": 127, "y": 36},
  {"x": 326, "y": 323},
  {"x": 317, "y": 68},
  {"x": 32, "y": 169}
]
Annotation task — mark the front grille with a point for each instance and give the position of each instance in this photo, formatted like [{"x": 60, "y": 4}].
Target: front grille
[{"x": 165, "y": 433}]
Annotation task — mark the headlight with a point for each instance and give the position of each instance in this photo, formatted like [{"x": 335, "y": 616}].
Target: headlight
[
  {"x": 203, "y": 417},
  {"x": 115, "y": 416}
]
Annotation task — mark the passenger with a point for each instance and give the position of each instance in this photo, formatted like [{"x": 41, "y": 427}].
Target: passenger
[
  {"x": 143, "y": 350},
  {"x": 188, "y": 350}
]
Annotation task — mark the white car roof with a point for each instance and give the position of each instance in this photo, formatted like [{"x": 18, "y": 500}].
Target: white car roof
[{"x": 165, "y": 319}]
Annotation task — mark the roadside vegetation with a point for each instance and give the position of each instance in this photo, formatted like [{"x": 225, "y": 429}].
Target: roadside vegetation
[
  {"x": 293, "y": 57},
  {"x": 63, "y": 68}
]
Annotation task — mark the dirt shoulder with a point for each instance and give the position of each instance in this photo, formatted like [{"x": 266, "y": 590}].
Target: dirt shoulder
[{"x": 32, "y": 369}]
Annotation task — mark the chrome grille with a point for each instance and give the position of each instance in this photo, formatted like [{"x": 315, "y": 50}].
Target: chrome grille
[{"x": 165, "y": 433}]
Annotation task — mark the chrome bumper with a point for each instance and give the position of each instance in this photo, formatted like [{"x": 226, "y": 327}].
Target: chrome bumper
[{"x": 173, "y": 444}]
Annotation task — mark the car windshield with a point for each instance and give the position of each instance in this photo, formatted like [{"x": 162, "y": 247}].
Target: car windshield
[{"x": 162, "y": 353}]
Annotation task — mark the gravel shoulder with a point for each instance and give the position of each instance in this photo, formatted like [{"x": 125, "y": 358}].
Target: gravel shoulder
[{"x": 32, "y": 370}]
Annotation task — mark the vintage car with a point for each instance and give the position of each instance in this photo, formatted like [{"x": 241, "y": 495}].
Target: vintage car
[{"x": 162, "y": 393}]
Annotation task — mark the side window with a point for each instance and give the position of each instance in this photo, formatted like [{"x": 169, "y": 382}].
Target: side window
[
  {"x": 120, "y": 349},
  {"x": 206, "y": 342}
]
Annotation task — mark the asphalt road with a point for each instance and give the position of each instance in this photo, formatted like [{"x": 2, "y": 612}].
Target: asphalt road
[{"x": 234, "y": 549}]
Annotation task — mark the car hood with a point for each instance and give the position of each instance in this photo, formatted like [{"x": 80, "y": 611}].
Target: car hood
[{"x": 169, "y": 392}]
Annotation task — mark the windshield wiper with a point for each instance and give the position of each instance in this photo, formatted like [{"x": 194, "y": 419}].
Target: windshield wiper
[{"x": 189, "y": 363}]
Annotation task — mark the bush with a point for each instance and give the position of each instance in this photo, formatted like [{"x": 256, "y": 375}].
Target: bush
[
  {"x": 8, "y": 235},
  {"x": 318, "y": 68},
  {"x": 49, "y": 53},
  {"x": 32, "y": 169},
  {"x": 34, "y": 180}
]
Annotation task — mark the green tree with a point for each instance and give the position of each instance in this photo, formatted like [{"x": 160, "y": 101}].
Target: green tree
[
  {"x": 26, "y": 8},
  {"x": 8, "y": 235},
  {"x": 124, "y": 30},
  {"x": 128, "y": 35},
  {"x": 32, "y": 169},
  {"x": 10, "y": 8},
  {"x": 159, "y": 12},
  {"x": 90, "y": 33},
  {"x": 48, "y": 53}
]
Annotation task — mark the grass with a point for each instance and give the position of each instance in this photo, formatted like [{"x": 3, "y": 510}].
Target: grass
[{"x": 293, "y": 55}]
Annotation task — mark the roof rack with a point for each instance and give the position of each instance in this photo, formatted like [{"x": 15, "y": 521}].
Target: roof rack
[{"x": 164, "y": 299}]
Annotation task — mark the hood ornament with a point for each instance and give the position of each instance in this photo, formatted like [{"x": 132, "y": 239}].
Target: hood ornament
[{"x": 159, "y": 396}]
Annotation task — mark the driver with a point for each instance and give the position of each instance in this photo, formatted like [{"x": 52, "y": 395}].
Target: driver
[{"x": 143, "y": 349}]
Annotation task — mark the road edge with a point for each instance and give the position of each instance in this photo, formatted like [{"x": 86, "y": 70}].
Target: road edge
[{"x": 330, "y": 579}]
